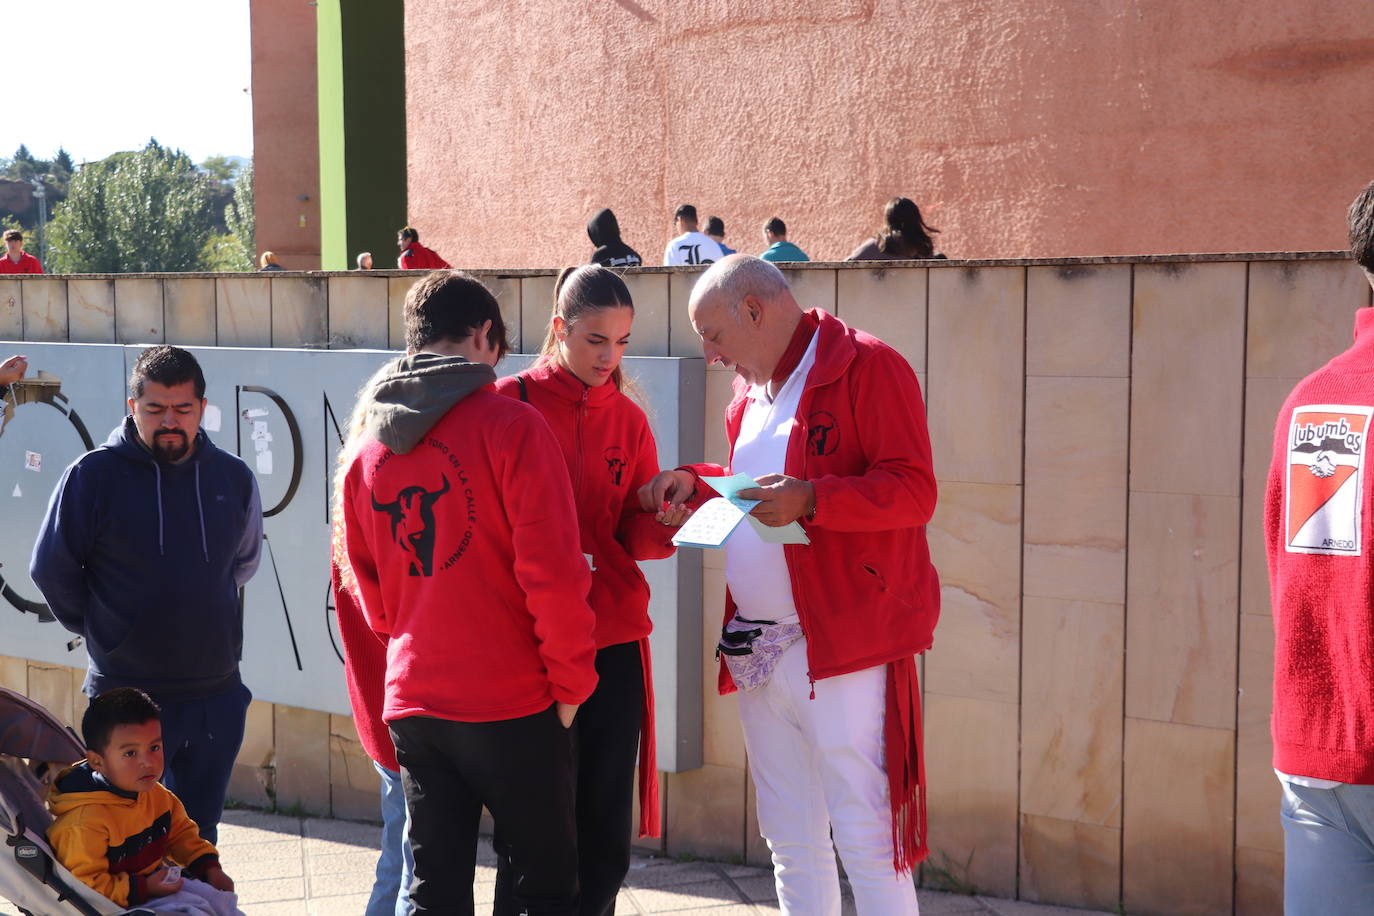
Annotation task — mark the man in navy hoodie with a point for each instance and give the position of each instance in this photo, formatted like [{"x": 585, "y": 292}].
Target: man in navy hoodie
[{"x": 145, "y": 545}]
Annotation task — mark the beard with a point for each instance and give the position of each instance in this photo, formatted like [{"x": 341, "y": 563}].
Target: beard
[{"x": 170, "y": 446}]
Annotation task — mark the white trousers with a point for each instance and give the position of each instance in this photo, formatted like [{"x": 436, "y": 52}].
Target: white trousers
[{"x": 818, "y": 769}]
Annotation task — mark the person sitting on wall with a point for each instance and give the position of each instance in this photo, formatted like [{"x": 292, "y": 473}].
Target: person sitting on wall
[
  {"x": 268, "y": 261},
  {"x": 779, "y": 248},
  {"x": 365, "y": 261},
  {"x": 16, "y": 260},
  {"x": 904, "y": 236},
  {"x": 715, "y": 228},
  {"x": 415, "y": 256},
  {"x": 690, "y": 246},
  {"x": 604, "y": 231}
]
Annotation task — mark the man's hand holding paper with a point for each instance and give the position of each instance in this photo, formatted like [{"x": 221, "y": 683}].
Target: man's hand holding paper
[{"x": 782, "y": 499}]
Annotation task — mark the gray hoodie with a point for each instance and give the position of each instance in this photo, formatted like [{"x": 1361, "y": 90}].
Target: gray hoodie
[{"x": 414, "y": 392}]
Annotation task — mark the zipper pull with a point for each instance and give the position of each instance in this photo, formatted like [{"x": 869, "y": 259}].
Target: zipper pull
[{"x": 813, "y": 684}]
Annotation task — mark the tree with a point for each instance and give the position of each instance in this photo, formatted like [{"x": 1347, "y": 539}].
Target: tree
[
  {"x": 133, "y": 212},
  {"x": 241, "y": 220},
  {"x": 220, "y": 168}
]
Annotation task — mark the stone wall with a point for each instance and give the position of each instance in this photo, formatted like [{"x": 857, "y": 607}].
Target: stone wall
[{"x": 1097, "y": 699}]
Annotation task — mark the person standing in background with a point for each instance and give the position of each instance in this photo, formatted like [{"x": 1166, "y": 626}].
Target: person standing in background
[
  {"x": 16, "y": 260},
  {"x": 146, "y": 543}
]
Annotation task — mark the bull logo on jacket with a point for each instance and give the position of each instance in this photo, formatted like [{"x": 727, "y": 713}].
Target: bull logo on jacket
[
  {"x": 412, "y": 524},
  {"x": 822, "y": 434},
  {"x": 615, "y": 463}
]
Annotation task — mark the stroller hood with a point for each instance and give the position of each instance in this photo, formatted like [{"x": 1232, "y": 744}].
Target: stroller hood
[{"x": 29, "y": 730}]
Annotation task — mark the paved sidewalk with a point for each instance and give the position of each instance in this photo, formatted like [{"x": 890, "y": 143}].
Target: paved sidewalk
[{"x": 294, "y": 866}]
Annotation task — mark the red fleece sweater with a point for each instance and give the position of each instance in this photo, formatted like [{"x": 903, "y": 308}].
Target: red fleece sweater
[
  {"x": 27, "y": 264},
  {"x": 417, "y": 257},
  {"x": 610, "y": 453},
  {"x": 1318, "y": 532},
  {"x": 467, "y": 565}
]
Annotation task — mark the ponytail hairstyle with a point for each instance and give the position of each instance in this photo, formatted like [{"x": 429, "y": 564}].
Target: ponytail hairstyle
[
  {"x": 577, "y": 291},
  {"x": 906, "y": 234}
]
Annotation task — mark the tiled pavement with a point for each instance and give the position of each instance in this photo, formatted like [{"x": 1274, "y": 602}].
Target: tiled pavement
[{"x": 294, "y": 866}]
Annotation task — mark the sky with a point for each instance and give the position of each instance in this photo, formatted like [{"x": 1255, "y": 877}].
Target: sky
[{"x": 104, "y": 76}]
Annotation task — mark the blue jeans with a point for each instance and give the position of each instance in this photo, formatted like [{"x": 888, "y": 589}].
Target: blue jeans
[
  {"x": 200, "y": 739},
  {"x": 1328, "y": 849},
  {"x": 391, "y": 890}
]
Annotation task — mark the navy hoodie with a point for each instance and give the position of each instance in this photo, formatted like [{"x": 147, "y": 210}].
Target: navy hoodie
[{"x": 144, "y": 559}]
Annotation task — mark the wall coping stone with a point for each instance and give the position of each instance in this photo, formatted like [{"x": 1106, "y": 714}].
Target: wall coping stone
[{"x": 497, "y": 272}]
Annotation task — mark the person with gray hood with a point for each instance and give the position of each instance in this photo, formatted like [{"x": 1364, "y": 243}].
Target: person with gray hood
[
  {"x": 604, "y": 231},
  {"x": 460, "y": 545}
]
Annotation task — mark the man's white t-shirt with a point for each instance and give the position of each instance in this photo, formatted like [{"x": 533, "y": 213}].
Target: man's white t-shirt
[
  {"x": 755, "y": 570},
  {"x": 692, "y": 248}
]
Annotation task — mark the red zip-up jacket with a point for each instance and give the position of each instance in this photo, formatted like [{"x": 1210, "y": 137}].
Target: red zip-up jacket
[
  {"x": 417, "y": 257},
  {"x": 865, "y": 590},
  {"x": 467, "y": 565},
  {"x": 611, "y": 453},
  {"x": 1319, "y": 536}
]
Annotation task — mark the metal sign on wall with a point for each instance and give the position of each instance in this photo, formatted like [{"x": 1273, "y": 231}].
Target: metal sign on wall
[{"x": 285, "y": 412}]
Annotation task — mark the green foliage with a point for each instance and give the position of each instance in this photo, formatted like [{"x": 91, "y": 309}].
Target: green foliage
[
  {"x": 221, "y": 254},
  {"x": 8, "y": 222},
  {"x": 132, "y": 213},
  {"x": 220, "y": 168},
  {"x": 241, "y": 220}
]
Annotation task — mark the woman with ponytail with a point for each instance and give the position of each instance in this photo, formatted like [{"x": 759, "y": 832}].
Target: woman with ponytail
[
  {"x": 578, "y": 385},
  {"x": 904, "y": 236}
]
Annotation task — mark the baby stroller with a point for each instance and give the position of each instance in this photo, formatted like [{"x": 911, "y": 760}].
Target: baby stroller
[{"x": 34, "y": 745}]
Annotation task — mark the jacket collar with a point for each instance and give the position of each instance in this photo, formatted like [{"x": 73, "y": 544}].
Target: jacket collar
[
  {"x": 567, "y": 387},
  {"x": 835, "y": 350}
]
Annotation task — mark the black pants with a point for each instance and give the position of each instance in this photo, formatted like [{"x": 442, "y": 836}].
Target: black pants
[
  {"x": 606, "y": 733},
  {"x": 522, "y": 770}
]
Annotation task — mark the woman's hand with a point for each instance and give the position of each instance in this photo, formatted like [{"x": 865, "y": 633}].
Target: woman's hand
[
  {"x": 13, "y": 369},
  {"x": 673, "y": 516},
  {"x": 672, "y": 487}
]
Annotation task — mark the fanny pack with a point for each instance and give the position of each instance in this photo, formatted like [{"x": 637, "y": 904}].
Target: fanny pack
[{"x": 752, "y": 649}]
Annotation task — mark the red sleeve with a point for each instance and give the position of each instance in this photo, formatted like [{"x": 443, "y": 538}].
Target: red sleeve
[
  {"x": 365, "y": 672},
  {"x": 549, "y": 565},
  {"x": 897, "y": 489},
  {"x": 361, "y": 560},
  {"x": 643, "y": 536}
]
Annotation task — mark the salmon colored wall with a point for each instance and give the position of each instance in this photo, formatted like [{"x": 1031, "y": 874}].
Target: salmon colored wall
[
  {"x": 286, "y": 149},
  {"x": 1046, "y": 128}
]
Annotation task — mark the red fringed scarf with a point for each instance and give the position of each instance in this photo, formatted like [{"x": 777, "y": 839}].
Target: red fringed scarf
[
  {"x": 648, "y": 753},
  {"x": 906, "y": 765}
]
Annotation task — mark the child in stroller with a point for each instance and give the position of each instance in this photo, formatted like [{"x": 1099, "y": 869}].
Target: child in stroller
[{"x": 33, "y": 746}]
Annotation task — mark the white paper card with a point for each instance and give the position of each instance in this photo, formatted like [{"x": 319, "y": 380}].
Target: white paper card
[{"x": 211, "y": 421}]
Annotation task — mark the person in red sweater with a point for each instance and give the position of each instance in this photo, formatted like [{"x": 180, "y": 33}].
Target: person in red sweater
[
  {"x": 459, "y": 535},
  {"x": 578, "y": 385},
  {"x": 1319, "y": 531},
  {"x": 415, "y": 256},
  {"x": 365, "y": 674},
  {"x": 822, "y": 637},
  {"x": 16, "y": 260}
]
